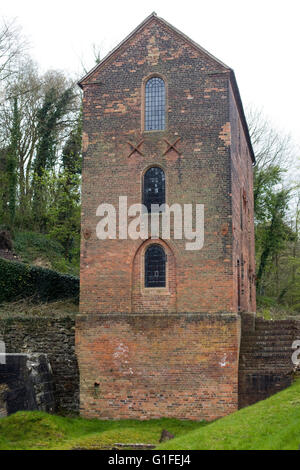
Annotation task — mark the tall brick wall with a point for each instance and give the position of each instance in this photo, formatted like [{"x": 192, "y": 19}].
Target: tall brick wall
[
  {"x": 200, "y": 114},
  {"x": 148, "y": 366},
  {"x": 265, "y": 365},
  {"x": 197, "y": 112},
  {"x": 52, "y": 336},
  {"x": 243, "y": 244}
]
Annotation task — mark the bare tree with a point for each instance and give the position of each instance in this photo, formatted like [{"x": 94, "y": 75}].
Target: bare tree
[
  {"x": 30, "y": 89},
  {"x": 12, "y": 46},
  {"x": 270, "y": 146},
  {"x": 96, "y": 58}
]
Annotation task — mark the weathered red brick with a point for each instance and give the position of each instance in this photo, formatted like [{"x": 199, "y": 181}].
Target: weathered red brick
[{"x": 174, "y": 359}]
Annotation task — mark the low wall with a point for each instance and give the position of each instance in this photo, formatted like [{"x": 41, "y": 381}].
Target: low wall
[
  {"x": 265, "y": 365},
  {"x": 54, "y": 337},
  {"x": 26, "y": 383},
  {"x": 144, "y": 366}
]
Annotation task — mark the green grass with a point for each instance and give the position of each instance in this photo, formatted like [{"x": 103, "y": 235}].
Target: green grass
[
  {"x": 272, "y": 424},
  {"x": 37, "y": 430},
  {"x": 268, "y": 308},
  {"x": 39, "y": 249}
]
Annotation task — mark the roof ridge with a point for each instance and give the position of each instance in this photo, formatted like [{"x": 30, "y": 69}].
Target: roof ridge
[
  {"x": 140, "y": 26},
  {"x": 152, "y": 16}
]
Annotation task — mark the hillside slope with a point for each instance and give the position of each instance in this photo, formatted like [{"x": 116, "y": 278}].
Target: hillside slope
[
  {"x": 271, "y": 424},
  {"x": 40, "y": 250}
]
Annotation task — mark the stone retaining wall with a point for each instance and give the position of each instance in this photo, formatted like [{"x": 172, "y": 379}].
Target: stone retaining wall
[{"x": 54, "y": 337}]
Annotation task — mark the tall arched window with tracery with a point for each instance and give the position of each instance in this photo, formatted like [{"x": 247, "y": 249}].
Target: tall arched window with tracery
[
  {"x": 155, "y": 104},
  {"x": 154, "y": 187},
  {"x": 155, "y": 266}
]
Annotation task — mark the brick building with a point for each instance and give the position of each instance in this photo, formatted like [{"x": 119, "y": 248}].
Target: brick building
[{"x": 159, "y": 327}]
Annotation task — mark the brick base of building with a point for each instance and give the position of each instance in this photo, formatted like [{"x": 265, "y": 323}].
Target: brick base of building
[{"x": 143, "y": 366}]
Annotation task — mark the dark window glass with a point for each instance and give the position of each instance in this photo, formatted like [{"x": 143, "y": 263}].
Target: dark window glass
[
  {"x": 155, "y": 104},
  {"x": 154, "y": 187},
  {"x": 155, "y": 266}
]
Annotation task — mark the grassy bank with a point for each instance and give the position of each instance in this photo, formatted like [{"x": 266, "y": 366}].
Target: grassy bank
[
  {"x": 40, "y": 250},
  {"x": 37, "y": 430},
  {"x": 272, "y": 424}
]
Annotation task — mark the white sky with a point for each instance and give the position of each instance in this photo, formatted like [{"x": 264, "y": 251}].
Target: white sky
[{"x": 259, "y": 39}]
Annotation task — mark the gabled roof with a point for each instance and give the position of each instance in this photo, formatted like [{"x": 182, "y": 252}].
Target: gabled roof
[
  {"x": 139, "y": 28},
  {"x": 154, "y": 17}
]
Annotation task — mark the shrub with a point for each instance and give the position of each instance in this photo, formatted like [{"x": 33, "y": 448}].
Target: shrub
[
  {"x": 5, "y": 240},
  {"x": 18, "y": 280},
  {"x": 264, "y": 301}
]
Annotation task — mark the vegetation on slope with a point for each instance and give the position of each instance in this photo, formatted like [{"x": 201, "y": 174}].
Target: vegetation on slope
[
  {"x": 31, "y": 308},
  {"x": 269, "y": 309},
  {"x": 271, "y": 424},
  {"x": 18, "y": 280},
  {"x": 40, "y": 250}
]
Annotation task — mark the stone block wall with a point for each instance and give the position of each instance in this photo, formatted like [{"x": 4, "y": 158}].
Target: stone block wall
[
  {"x": 54, "y": 337},
  {"x": 26, "y": 383},
  {"x": 265, "y": 365}
]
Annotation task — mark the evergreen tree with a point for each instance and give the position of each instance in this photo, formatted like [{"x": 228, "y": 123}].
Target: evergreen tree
[
  {"x": 65, "y": 213},
  {"x": 12, "y": 161},
  {"x": 53, "y": 109}
]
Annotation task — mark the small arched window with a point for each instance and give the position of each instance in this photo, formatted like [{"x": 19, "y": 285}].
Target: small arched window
[
  {"x": 154, "y": 187},
  {"x": 155, "y": 266},
  {"x": 155, "y": 104}
]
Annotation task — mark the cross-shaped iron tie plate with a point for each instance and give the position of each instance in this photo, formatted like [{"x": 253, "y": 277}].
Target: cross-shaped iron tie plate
[
  {"x": 135, "y": 148},
  {"x": 172, "y": 146}
]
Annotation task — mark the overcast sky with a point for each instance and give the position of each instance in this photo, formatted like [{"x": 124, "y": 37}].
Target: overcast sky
[{"x": 259, "y": 39}]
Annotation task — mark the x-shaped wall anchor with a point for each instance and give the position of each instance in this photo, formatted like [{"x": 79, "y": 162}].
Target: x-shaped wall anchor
[
  {"x": 172, "y": 146},
  {"x": 135, "y": 148}
]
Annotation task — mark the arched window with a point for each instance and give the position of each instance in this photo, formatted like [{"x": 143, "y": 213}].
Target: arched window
[
  {"x": 155, "y": 266},
  {"x": 154, "y": 187},
  {"x": 155, "y": 99}
]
